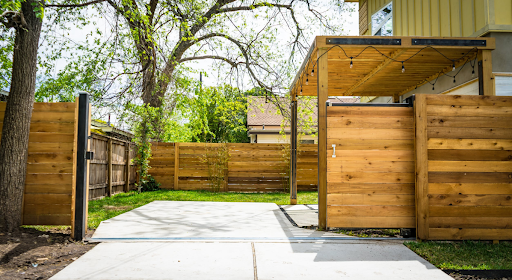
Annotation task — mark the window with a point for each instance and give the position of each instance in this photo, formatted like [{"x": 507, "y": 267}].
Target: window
[
  {"x": 503, "y": 85},
  {"x": 307, "y": 141},
  {"x": 382, "y": 21}
]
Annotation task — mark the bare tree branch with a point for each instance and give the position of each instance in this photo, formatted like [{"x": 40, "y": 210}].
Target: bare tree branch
[{"x": 74, "y": 5}]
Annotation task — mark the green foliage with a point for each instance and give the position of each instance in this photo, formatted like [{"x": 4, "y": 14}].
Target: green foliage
[
  {"x": 465, "y": 254},
  {"x": 145, "y": 129},
  {"x": 149, "y": 184},
  {"x": 109, "y": 207},
  {"x": 216, "y": 158},
  {"x": 219, "y": 115}
]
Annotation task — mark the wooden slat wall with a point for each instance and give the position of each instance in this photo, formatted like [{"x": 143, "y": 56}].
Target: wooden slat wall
[
  {"x": 98, "y": 172},
  {"x": 257, "y": 167},
  {"x": 251, "y": 167},
  {"x": 48, "y": 187},
  {"x": 370, "y": 182},
  {"x": 468, "y": 184},
  {"x": 162, "y": 164}
]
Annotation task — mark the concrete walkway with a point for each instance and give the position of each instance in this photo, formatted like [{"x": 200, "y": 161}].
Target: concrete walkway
[{"x": 213, "y": 240}]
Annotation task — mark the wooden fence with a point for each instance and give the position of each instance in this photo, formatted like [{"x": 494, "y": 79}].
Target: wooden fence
[
  {"x": 111, "y": 170},
  {"x": 250, "y": 167},
  {"x": 370, "y": 172},
  {"x": 464, "y": 167},
  {"x": 48, "y": 197}
]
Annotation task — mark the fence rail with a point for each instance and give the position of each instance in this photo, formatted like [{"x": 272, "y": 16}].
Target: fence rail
[{"x": 250, "y": 167}]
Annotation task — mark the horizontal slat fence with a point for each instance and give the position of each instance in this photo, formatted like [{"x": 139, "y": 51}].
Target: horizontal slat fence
[
  {"x": 464, "y": 167},
  {"x": 250, "y": 168},
  {"x": 50, "y": 173},
  {"x": 114, "y": 155},
  {"x": 370, "y": 181}
]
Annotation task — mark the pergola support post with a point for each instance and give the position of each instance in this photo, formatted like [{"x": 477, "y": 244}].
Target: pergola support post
[
  {"x": 293, "y": 151},
  {"x": 485, "y": 77},
  {"x": 323, "y": 94}
]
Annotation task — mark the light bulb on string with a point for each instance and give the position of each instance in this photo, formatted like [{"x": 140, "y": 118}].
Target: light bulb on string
[
  {"x": 453, "y": 67},
  {"x": 473, "y": 72},
  {"x": 307, "y": 81},
  {"x": 454, "y": 80},
  {"x": 432, "y": 87},
  {"x": 312, "y": 72},
  {"x": 403, "y": 68},
  {"x": 351, "y": 64}
]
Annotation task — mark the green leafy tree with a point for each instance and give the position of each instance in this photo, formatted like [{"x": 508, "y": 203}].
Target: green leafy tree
[
  {"x": 220, "y": 115},
  {"x": 151, "y": 42}
]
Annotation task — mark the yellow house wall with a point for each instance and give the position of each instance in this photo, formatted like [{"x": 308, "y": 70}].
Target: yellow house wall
[{"x": 450, "y": 18}]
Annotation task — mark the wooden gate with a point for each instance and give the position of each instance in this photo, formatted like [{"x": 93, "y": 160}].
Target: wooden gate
[{"x": 370, "y": 166}]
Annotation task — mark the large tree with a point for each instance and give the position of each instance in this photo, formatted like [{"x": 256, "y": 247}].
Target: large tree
[
  {"x": 26, "y": 18},
  {"x": 150, "y": 42}
]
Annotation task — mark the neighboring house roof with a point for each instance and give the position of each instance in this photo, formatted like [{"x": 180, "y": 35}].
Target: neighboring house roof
[
  {"x": 3, "y": 95},
  {"x": 103, "y": 128},
  {"x": 261, "y": 111}
]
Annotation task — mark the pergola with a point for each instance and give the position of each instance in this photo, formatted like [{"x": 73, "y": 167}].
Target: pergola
[{"x": 376, "y": 66}]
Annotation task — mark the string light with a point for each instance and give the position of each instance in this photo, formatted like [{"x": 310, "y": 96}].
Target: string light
[{"x": 403, "y": 61}]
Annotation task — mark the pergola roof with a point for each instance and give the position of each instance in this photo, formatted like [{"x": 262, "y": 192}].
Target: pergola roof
[{"x": 377, "y": 70}]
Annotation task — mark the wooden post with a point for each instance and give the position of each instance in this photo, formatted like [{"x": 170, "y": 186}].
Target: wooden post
[
  {"x": 293, "y": 151},
  {"x": 422, "y": 203},
  {"x": 226, "y": 171},
  {"x": 109, "y": 167},
  {"x": 485, "y": 76},
  {"x": 127, "y": 167},
  {"x": 176, "y": 165},
  {"x": 73, "y": 183},
  {"x": 323, "y": 94}
]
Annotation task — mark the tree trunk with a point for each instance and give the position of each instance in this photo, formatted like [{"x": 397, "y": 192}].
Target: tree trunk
[{"x": 16, "y": 123}]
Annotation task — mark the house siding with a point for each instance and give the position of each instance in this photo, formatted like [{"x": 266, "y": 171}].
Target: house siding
[{"x": 450, "y": 18}]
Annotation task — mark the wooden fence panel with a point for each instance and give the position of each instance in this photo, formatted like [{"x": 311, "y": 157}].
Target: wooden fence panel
[
  {"x": 370, "y": 182},
  {"x": 464, "y": 182},
  {"x": 162, "y": 164},
  {"x": 251, "y": 167},
  {"x": 99, "y": 166},
  {"x": 49, "y": 181}
]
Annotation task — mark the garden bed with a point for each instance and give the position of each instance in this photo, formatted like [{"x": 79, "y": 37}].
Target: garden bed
[{"x": 38, "y": 252}]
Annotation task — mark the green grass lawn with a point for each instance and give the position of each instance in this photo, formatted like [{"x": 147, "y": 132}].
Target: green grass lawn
[
  {"x": 465, "y": 255},
  {"x": 103, "y": 209}
]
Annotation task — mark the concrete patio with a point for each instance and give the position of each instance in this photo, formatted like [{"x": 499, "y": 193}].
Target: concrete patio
[{"x": 213, "y": 240}]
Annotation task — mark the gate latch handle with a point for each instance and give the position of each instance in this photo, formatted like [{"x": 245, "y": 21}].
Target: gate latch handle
[{"x": 333, "y": 150}]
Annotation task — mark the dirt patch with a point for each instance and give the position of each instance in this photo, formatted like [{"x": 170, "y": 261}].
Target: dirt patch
[
  {"x": 117, "y": 208},
  {"x": 457, "y": 276},
  {"x": 34, "y": 254}
]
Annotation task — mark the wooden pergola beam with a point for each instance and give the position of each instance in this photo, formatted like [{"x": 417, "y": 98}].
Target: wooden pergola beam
[
  {"x": 375, "y": 70},
  {"x": 323, "y": 95}
]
